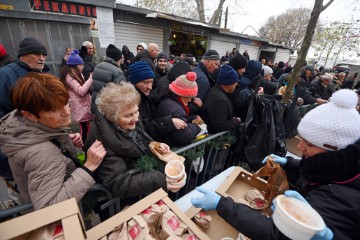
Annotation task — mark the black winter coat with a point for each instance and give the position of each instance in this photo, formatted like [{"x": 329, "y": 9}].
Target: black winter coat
[
  {"x": 171, "y": 106},
  {"x": 158, "y": 75},
  {"x": 144, "y": 56},
  {"x": 319, "y": 91},
  {"x": 337, "y": 202},
  {"x": 217, "y": 111},
  {"x": 116, "y": 171},
  {"x": 89, "y": 66},
  {"x": 155, "y": 127}
]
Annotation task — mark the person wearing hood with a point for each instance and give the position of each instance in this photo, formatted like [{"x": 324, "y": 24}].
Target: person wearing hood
[
  {"x": 41, "y": 148},
  {"x": 148, "y": 55},
  {"x": 128, "y": 56},
  {"x": 107, "y": 71},
  {"x": 279, "y": 70},
  {"x": 253, "y": 69},
  {"x": 327, "y": 176},
  {"x": 86, "y": 52}
]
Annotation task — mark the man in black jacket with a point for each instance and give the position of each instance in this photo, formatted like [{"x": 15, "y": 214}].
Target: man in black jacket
[
  {"x": 148, "y": 55},
  {"x": 217, "y": 110},
  {"x": 86, "y": 52}
]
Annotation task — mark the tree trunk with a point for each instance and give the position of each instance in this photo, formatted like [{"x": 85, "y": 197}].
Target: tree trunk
[
  {"x": 200, "y": 9},
  {"x": 315, "y": 14},
  {"x": 217, "y": 13}
]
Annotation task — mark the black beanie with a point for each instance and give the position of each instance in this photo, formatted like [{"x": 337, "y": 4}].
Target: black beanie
[
  {"x": 238, "y": 61},
  {"x": 31, "y": 46},
  {"x": 113, "y": 52}
]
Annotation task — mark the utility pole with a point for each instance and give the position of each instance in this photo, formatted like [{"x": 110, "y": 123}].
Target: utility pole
[{"x": 226, "y": 16}]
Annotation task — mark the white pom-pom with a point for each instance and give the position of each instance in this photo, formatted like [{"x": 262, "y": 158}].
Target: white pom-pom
[{"x": 345, "y": 98}]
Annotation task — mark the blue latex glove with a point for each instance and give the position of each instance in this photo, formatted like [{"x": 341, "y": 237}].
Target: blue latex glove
[
  {"x": 325, "y": 234},
  {"x": 207, "y": 202},
  {"x": 280, "y": 160}
]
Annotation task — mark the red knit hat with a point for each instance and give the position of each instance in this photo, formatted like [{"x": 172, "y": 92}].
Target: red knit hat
[
  {"x": 2, "y": 51},
  {"x": 185, "y": 85}
]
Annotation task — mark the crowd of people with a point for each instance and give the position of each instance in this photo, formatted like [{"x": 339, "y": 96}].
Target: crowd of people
[{"x": 124, "y": 101}]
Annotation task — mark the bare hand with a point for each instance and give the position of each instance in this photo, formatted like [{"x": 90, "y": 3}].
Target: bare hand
[
  {"x": 95, "y": 155},
  {"x": 198, "y": 102},
  {"x": 164, "y": 148},
  {"x": 172, "y": 187},
  {"x": 321, "y": 101},
  {"x": 76, "y": 139},
  {"x": 237, "y": 118},
  {"x": 179, "y": 124}
]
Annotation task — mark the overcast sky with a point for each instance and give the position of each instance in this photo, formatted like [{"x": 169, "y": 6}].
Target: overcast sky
[{"x": 256, "y": 12}]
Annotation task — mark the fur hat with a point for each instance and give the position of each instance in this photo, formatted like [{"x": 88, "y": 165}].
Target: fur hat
[
  {"x": 185, "y": 85},
  {"x": 113, "y": 52},
  {"x": 333, "y": 125},
  {"x": 267, "y": 70},
  {"x": 227, "y": 75},
  {"x": 238, "y": 61},
  {"x": 140, "y": 71},
  {"x": 31, "y": 46},
  {"x": 2, "y": 51},
  {"x": 74, "y": 58},
  {"x": 211, "y": 55}
]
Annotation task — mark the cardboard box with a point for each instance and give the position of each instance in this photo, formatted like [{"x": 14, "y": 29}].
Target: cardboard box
[
  {"x": 291, "y": 145},
  {"x": 107, "y": 226},
  {"x": 235, "y": 186},
  {"x": 67, "y": 212}
]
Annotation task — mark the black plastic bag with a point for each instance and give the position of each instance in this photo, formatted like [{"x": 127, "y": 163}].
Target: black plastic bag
[{"x": 264, "y": 130}]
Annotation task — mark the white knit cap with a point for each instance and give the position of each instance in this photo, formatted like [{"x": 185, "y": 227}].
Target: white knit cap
[
  {"x": 333, "y": 125},
  {"x": 267, "y": 70}
]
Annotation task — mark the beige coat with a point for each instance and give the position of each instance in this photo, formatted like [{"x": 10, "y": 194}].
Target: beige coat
[{"x": 44, "y": 175}]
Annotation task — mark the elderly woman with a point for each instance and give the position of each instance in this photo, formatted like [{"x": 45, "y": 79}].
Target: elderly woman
[
  {"x": 327, "y": 176},
  {"x": 39, "y": 145},
  {"x": 118, "y": 127}
]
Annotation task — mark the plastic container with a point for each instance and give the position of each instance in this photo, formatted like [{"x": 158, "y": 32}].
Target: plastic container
[
  {"x": 181, "y": 181},
  {"x": 296, "y": 219},
  {"x": 175, "y": 169}
]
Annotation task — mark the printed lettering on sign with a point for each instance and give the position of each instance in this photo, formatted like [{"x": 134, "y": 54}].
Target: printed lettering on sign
[
  {"x": 59, "y": 6},
  {"x": 173, "y": 223}
]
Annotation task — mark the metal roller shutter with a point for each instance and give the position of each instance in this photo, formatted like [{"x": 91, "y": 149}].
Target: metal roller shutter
[
  {"x": 132, "y": 34},
  {"x": 282, "y": 55},
  {"x": 222, "y": 47},
  {"x": 252, "y": 50}
]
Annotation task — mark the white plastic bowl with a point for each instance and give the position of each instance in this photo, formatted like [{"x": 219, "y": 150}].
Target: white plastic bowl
[
  {"x": 180, "y": 169},
  {"x": 295, "y": 219}
]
